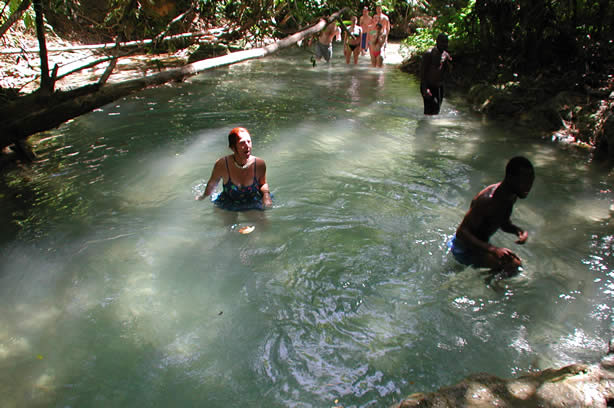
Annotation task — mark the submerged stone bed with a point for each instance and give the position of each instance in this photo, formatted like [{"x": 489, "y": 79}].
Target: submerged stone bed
[{"x": 576, "y": 385}]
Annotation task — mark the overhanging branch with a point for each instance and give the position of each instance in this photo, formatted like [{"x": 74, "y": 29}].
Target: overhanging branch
[{"x": 58, "y": 107}]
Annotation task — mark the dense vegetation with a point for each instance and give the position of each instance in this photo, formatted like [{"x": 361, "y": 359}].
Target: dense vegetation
[
  {"x": 547, "y": 61},
  {"x": 133, "y": 19},
  {"x": 508, "y": 43}
]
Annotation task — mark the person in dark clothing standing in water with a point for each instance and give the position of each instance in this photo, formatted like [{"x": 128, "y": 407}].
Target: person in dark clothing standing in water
[
  {"x": 434, "y": 65},
  {"x": 490, "y": 210}
]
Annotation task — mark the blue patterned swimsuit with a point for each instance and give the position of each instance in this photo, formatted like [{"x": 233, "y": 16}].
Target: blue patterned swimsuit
[{"x": 239, "y": 198}]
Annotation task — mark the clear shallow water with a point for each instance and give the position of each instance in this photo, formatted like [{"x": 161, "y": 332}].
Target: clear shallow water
[{"x": 118, "y": 289}]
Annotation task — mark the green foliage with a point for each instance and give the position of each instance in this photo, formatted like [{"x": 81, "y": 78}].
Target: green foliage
[
  {"x": 9, "y": 8},
  {"x": 67, "y": 8},
  {"x": 421, "y": 41},
  {"x": 458, "y": 23},
  {"x": 212, "y": 9},
  {"x": 304, "y": 11}
]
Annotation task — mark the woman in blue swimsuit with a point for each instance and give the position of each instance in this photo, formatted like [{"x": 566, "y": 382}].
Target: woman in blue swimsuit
[{"x": 244, "y": 176}]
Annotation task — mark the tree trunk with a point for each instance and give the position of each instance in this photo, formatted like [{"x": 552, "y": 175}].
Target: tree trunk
[
  {"x": 59, "y": 107},
  {"x": 46, "y": 86}
]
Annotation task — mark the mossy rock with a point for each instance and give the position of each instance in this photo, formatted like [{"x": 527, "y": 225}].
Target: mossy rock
[
  {"x": 411, "y": 65},
  {"x": 577, "y": 385},
  {"x": 545, "y": 116},
  {"x": 494, "y": 101},
  {"x": 502, "y": 104},
  {"x": 481, "y": 92}
]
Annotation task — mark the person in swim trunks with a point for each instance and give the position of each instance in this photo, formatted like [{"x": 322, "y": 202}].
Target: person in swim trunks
[
  {"x": 377, "y": 39},
  {"x": 435, "y": 63},
  {"x": 244, "y": 176},
  {"x": 352, "y": 41},
  {"x": 490, "y": 210},
  {"x": 324, "y": 43},
  {"x": 365, "y": 24}
]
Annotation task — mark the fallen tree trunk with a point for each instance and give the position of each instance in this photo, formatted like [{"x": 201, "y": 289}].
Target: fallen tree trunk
[
  {"x": 48, "y": 112},
  {"x": 110, "y": 46}
]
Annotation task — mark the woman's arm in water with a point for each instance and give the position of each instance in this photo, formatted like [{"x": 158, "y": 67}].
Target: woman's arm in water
[
  {"x": 216, "y": 175},
  {"x": 264, "y": 186}
]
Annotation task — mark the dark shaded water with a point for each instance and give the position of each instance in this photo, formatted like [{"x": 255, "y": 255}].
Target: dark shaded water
[{"x": 120, "y": 290}]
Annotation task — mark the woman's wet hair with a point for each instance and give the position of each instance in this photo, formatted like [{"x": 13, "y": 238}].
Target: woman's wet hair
[{"x": 233, "y": 136}]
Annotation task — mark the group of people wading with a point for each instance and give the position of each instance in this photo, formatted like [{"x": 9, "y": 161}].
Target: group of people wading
[
  {"x": 370, "y": 34},
  {"x": 245, "y": 185}
]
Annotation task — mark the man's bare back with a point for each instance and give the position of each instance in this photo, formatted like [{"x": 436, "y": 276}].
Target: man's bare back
[
  {"x": 490, "y": 210},
  {"x": 328, "y": 34},
  {"x": 486, "y": 215}
]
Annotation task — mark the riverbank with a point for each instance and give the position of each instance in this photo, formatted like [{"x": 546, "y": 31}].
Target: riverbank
[
  {"x": 569, "y": 107},
  {"x": 20, "y": 73}
]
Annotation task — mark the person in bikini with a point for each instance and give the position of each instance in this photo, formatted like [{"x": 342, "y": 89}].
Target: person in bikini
[
  {"x": 377, "y": 40},
  {"x": 490, "y": 210},
  {"x": 352, "y": 41},
  {"x": 244, "y": 176}
]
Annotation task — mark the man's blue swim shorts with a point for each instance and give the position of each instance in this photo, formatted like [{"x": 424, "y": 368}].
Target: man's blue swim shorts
[{"x": 461, "y": 254}]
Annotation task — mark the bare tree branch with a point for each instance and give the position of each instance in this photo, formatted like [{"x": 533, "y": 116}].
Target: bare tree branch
[
  {"x": 180, "y": 17},
  {"x": 15, "y": 16},
  {"x": 108, "y": 71},
  {"x": 86, "y": 66},
  {"x": 62, "y": 106}
]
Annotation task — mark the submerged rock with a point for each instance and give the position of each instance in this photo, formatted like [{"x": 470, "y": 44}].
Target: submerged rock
[{"x": 577, "y": 385}]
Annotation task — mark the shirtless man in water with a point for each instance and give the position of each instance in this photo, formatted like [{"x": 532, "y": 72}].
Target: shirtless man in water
[
  {"x": 435, "y": 63},
  {"x": 324, "y": 44},
  {"x": 490, "y": 210},
  {"x": 365, "y": 24}
]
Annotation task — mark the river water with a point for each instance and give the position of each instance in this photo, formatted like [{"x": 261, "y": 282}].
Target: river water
[{"x": 117, "y": 288}]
